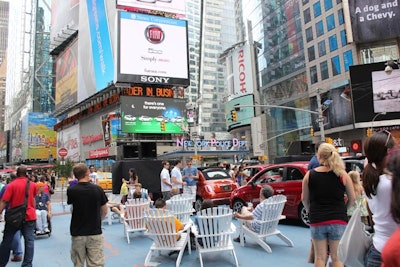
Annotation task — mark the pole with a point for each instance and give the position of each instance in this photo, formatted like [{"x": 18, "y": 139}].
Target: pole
[{"x": 320, "y": 117}]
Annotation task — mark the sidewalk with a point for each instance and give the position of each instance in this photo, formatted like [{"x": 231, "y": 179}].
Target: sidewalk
[{"x": 55, "y": 250}]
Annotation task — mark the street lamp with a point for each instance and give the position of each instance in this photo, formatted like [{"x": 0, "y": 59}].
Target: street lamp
[
  {"x": 191, "y": 115},
  {"x": 371, "y": 129}
]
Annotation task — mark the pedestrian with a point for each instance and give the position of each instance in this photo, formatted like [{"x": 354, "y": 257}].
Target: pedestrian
[
  {"x": 377, "y": 183},
  {"x": 93, "y": 174},
  {"x": 391, "y": 250},
  {"x": 89, "y": 208},
  {"x": 314, "y": 163},
  {"x": 165, "y": 181},
  {"x": 323, "y": 198},
  {"x": 133, "y": 177},
  {"x": 53, "y": 180},
  {"x": 15, "y": 196},
  {"x": 190, "y": 174},
  {"x": 43, "y": 211},
  {"x": 176, "y": 176}
]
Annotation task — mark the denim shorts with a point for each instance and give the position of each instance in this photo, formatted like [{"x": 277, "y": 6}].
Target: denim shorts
[{"x": 329, "y": 231}]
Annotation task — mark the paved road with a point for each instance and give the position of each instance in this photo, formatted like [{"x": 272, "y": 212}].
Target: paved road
[{"x": 54, "y": 250}]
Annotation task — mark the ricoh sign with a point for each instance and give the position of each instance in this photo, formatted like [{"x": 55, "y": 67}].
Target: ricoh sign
[{"x": 152, "y": 50}]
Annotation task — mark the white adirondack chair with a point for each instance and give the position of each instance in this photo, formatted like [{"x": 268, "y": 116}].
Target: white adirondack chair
[
  {"x": 182, "y": 207},
  {"x": 161, "y": 228},
  {"x": 271, "y": 215},
  {"x": 134, "y": 216},
  {"x": 112, "y": 215},
  {"x": 213, "y": 231}
]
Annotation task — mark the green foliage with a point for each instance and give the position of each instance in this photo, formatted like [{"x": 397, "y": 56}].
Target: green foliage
[{"x": 64, "y": 170}]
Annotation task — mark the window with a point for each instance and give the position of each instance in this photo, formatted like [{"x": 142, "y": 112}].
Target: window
[
  {"x": 317, "y": 9},
  {"x": 324, "y": 70},
  {"x": 269, "y": 176},
  {"x": 343, "y": 37},
  {"x": 328, "y": 4},
  {"x": 338, "y": 1},
  {"x": 305, "y": 2},
  {"x": 313, "y": 74},
  {"x": 311, "y": 53},
  {"x": 348, "y": 59},
  {"x": 319, "y": 28},
  {"x": 330, "y": 22},
  {"x": 333, "y": 43},
  {"x": 321, "y": 48},
  {"x": 309, "y": 34},
  {"x": 340, "y": 16},
  {"x": 307, "y": 15},
  {"x": 335, "y": 65}
]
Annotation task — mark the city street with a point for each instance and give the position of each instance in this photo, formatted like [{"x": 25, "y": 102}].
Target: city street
[{"x": 55, "y": 250}]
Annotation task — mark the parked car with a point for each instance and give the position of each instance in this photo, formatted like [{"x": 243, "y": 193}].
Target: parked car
[
  {"x": 215, "y": 184},
  {"x": 354, "y": 163},
  {"x": 285, "y": 179},
  {"x": 104, "y": 180}
]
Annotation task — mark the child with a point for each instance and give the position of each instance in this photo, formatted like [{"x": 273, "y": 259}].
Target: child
[
  {"x": 124, "y": 191},
  {"x": 360, "y": 201}
]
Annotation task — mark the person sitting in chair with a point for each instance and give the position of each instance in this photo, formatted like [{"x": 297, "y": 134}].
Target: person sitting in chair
[
  {"x": 43, "y": 209},
  {"x": 249, "y": 214}
]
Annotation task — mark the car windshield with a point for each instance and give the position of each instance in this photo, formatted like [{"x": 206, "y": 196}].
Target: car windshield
[{"x": 216, "y": 175}]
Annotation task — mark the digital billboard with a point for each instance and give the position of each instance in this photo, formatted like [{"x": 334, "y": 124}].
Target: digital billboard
[
  {"x": 41, "y": 138},
  {"x": 362, "y": 92},
  {"x": 244, "y": 114},
  {"x": 386, "y": 91},
  {"x": 374, "y": 20},
  {"x": 153, "y": 115},
  {"x": 152, "y": 50},
  {"x": 67, "y": 77},
  {"x": 174, "y": 7}
]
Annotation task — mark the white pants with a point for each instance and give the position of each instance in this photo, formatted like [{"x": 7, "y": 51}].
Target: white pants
[{"x": 41, "y": 220}]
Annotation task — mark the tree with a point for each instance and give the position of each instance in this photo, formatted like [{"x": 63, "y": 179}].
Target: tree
[{"x": 64, "y": 170}]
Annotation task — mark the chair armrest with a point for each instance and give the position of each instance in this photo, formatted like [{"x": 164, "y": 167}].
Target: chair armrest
[{"x": 194, "y": 230}]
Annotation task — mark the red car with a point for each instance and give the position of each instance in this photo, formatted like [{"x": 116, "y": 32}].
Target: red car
[
  {"x": 215, "y": 184},
  {"x": 285, "y": 178}
]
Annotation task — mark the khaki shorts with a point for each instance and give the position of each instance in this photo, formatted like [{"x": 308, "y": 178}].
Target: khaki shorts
[{"x": 87, "y": 248}]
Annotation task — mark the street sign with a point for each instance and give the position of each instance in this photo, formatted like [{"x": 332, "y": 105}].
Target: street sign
[{"x": 62, "y": 152}]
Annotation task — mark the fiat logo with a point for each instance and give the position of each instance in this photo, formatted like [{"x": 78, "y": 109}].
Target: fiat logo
[{"x": 154, "y": 34}]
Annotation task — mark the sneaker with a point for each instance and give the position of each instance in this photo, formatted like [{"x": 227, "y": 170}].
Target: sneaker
[
  {"x": 16, "y": 258},
  {"x": 38, "y": 232},
  {"x": 46, "y": 230}
]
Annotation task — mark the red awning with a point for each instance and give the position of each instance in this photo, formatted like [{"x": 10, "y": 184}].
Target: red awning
[{"x": 7, "y": 170}]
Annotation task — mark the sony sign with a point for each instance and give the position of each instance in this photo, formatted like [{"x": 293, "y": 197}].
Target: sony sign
[{"x": 154, "y": 80}]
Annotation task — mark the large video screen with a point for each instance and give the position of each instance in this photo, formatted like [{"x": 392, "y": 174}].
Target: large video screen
[
  {"x": 362, "y": 92},
  {"x": 174, "y": 7},
  {"x": 152, "y": 50},
  {"x": 386, "y": 91},
  {"x": 148, "y": 114}
]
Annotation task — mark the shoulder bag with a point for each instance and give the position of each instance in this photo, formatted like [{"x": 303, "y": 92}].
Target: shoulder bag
[
  {"x": 16, "y": 216},
  {"x": 355, "y": 242}
]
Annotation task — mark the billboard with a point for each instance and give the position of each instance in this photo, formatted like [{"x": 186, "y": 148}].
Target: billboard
[
  {"x": 362, "y": 92},
  {"x": 174, "y": 7},
  {"x": 386, "y": 91},
  {"x": 244, "y": 114},
  {"x": 239, "y": 69},
  {"x": 41, "y": 138},
  {"x": 64, "y": 20},
  {"x": 374, "y": 20},
  {"x": 152, "y": 50},
  {"x": 3, "y": 147},
  {"x": 67, "y": 77},
  {"x": 149, "y": 114},
  {"x": 70, "y": 139}
]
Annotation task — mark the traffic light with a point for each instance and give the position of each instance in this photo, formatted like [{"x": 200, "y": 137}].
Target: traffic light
[
  {"x": 312, "y": 131},
  {"x": 163, "y": 126},
  {"x": 356, "y": 146},
  {"x": 233, "y": 115},
  {"x": 369, "y": 131}
]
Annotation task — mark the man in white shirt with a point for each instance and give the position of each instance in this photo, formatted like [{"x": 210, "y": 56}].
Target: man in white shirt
[
  {"x": 176, "y": 176},
  {"x": 92, "y": 174},
  {"x": 165, "y": 181}
]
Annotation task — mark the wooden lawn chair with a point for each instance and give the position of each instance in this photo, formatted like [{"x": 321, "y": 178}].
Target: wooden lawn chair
[
  {"x": 181, "y": 207},
  {"x": 110, "y": 214},
  {"x": 213, "y": 231},
  {"x": 161, "y": 228},
  {"x": 134, "y": 216},
  {"x": 271, "y": 215}
]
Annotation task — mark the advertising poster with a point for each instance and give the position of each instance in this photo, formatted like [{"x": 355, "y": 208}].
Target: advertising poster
[
  {"x": 153, "y": 115},
  {"x": 374, "y": 20},
  {"x": 67, "y": 77},
  {"x": 152, "y": 50},
  {"x": 244, "y": 114},
  {"x": 175, "y": 7},
  {"x": 69, "y": 138},
  {"x": 42, "y": 139},
  {"x": 386, "y": 91},
  {"x": 3, "y": 147}
]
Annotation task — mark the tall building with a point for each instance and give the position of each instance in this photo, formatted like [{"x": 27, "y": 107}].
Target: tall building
[
  {"x": 3, "y": 58},
  {"x": 306, "y": 50},
  {"x": 211, "y": 31}
]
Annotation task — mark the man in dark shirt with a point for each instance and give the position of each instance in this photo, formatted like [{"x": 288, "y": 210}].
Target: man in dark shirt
[{"x": 88, "y": 210}]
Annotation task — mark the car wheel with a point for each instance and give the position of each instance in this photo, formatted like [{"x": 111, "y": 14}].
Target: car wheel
[
  {"x": 303, "y": 215},
  {"x": 237, "y": 205},
  {"x": 197, "y": 204}
]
